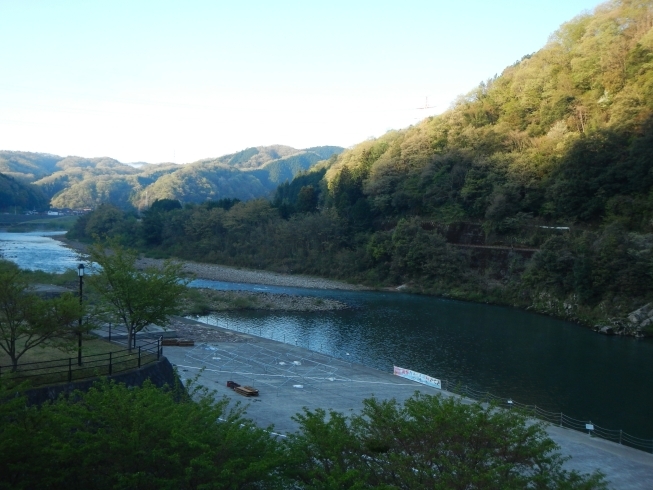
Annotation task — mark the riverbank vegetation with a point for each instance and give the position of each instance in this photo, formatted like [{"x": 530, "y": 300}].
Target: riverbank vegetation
[
  {"x": 144, "y": 437},
  {"x": 534, "y": 190}
]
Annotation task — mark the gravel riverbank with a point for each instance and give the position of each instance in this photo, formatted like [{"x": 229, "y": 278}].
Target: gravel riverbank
[
  {"x": 253, "y": 300},
  {"x": 234, "y": 274},
  {"x": 233, "y": 300}
]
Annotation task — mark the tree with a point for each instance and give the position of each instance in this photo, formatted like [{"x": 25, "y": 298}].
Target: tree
[
  {"x": 153, "y": 219},
  {"x": 114, "y": 436},
  {"x": 165, "y": 205},
  {"x": 137, "y": 297},
  {"x": 27, "y": 321},
  {"x": 429, "y": 442},
  {"x": 307, "y": 199}
]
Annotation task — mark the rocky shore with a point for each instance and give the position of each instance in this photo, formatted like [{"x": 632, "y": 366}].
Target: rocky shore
[
  {"x": 206, "y": 300},
  {"x": 202, "y": 300}
]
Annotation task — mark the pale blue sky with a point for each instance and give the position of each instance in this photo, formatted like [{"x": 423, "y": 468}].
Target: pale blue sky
[{"x": 179, "y": 81}]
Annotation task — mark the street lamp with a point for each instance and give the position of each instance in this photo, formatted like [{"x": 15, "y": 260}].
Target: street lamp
[{"x": 80, "y": 273}]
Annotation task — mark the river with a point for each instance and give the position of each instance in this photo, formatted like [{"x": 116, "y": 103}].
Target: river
[{"x": 531, "y": 358}]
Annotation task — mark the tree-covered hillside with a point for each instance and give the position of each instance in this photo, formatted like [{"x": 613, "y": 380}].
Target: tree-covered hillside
[
  {"x": 535, "y": 189},
  {"x": 255, "y": 157},
  {"x": 26, "y": 166},
  {"x": 252, "y": 173},
  {"x": 15, "y": 195},
  {"x": 564, "y": 135},
  {"x": 76, "y": 182}
]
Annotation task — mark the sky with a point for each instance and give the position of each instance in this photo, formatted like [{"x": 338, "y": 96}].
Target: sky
[{"x": 160, "y": 81}]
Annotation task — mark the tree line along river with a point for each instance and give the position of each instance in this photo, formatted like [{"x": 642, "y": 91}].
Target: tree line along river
[{"x": 530, "y": 358}]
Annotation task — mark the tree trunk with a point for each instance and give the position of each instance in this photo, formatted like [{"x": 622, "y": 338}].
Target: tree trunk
[{"x": 130, "y": 330}]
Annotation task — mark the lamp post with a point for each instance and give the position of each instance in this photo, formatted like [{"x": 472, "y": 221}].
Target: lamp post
[{"x": 80, "y": 273}]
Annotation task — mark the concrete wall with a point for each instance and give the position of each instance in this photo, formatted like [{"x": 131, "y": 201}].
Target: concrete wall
[{"x": 160, "y": 373}]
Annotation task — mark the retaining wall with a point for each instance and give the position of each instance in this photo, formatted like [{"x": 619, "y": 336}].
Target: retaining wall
[{"x": 160, "y": 373}]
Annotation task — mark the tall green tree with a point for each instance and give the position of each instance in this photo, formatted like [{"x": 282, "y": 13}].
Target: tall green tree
[{"x": 137, "y": 298}]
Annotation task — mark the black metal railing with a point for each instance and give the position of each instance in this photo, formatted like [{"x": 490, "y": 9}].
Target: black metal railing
[{"x": 66, "y": 370}]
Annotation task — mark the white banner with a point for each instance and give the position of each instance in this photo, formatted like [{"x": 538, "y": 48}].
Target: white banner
[{"x": 419, "y": 377}]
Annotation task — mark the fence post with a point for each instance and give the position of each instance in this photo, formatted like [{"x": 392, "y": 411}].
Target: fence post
[
  {"x": 70, "y": 369},
  {"x": 139, "y": 356},
  {"x": 109, "y": 331},
  {"x": 158, "y": 348}
]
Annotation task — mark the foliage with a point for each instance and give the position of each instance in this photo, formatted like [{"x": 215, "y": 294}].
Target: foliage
[
  {"x": 118, "y": 437},
  {"x": 137, "y": 298},
  {"x": 152, "y": 222},
  {"x": 106, "y": 221},
  {"x": 145, "y": 437},
  {"x": 15, "y": 195},
  {"x": 75, "y": 182},
  {"x": 429, "y": 442},
  {"x": 26, "y": 165},
  {"x": 26, "y": 320},
  {"x": 287, "y": 196}
]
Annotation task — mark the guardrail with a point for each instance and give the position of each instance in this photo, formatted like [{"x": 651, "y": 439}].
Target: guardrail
[
  {"x": 66, "y": 370},
  {"x": 554, "y": 418}
]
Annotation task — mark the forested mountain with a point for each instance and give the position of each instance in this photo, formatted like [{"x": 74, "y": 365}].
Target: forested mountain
[
  {"x": 535, "y": 189},
  {"x": 564, "y": 134},
  {"x": 252, "y": 173},
  {"x": 76, "y": 182},
  {"x": 16, "y": 195},
  {"x": 255, "y": 157},
  {"x": 26, "y": 166}
]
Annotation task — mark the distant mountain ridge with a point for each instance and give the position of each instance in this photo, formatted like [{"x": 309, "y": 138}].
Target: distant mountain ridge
[{"x": 78, "y": 182}]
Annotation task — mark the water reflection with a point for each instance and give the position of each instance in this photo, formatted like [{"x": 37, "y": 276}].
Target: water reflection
[{"x": 531, "y": 358}]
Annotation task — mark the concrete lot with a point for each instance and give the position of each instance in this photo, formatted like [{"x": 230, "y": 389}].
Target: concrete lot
[{"x": 290, "y": 377}]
